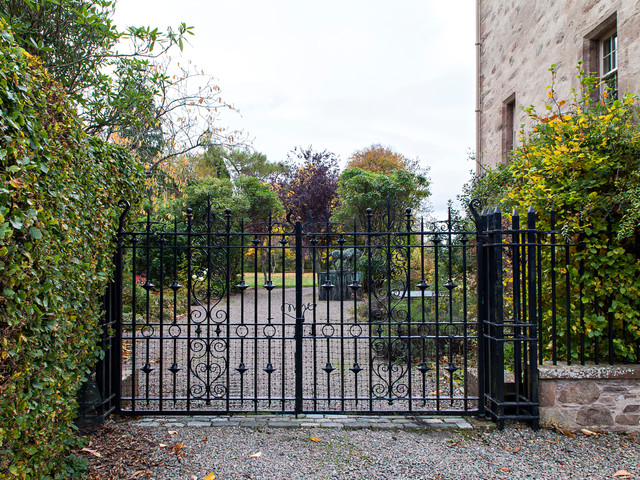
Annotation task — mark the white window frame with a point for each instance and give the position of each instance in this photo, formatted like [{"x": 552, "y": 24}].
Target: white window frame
[{"x": 606, "y": 75}]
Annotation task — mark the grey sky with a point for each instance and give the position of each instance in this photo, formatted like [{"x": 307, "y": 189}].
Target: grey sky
[{"x": 339, "y": 75}]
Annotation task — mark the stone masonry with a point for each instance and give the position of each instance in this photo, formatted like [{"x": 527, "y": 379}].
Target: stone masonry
[
  {"x": 519, "y": 40},
  {"x": 593, "y": 397}
]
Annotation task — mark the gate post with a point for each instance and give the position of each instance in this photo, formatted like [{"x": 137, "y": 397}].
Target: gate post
[
  {"x": 483, "y": 313},
  {"x": 116, "y": 286},
  {"x": 116, "y": 366},
  {"x": 533, "y": 316},
  {"x": 299, "y": 319},
  {"x": 496, "y": 307},
  {"x": 481, "y": 221},
  {"x": 103, "y": 395}
]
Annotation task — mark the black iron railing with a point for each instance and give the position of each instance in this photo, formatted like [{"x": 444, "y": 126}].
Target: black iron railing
[
  {"x": 381, "y": 320},
  {"x": 209, "y": 313},
  {"x": 507, "y": 307},
  {"x": 540, "y": 302}
]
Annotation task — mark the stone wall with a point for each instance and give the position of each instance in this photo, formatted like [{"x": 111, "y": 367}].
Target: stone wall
[
  {"x": 593, "y": 397},
  {"x": 518, "y": 40}
]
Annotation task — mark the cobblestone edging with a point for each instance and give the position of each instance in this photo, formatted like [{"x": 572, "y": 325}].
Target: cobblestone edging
[{"x": 379, "y": 422}]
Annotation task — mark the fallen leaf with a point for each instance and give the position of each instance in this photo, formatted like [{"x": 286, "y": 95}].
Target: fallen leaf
[
  {"x": 204, "y": 439},
  {"x": 622, "y": 473},
  {"x": 314, "y": 439},
  {"x": 163, "y": 445},
  {"x": 176, "y": 449},
  {"x": 587, "y": 432},
  {"x": 516, "y": 450},
  {"x": 92, "y": 452},
  {"x": 563, "y": 431},
  {"x": 172, "y": 432},
  {"x": 234, "y": 457},
  {"x": 505, "y": 469},
  {"x": 211, "y": 476},
  {"x": 255, "y": 455},
  {"x": 550, "y": 441}
]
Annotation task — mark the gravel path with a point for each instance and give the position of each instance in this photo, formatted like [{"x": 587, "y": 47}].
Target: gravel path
[{"x": 319, "y": 453}]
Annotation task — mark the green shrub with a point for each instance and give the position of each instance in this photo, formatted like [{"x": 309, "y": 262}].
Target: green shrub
[
  {"x": 491, "y": 187},
  {"x": 581, "y": 158},
  {"x": 250, "y": 202},
  {"x": 360, "y": 190},
  {"x": 59, "y": 190},
  {"x": 127, "y": 299}
]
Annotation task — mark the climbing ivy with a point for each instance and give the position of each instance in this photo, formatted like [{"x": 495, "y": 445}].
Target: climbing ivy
[{"x": 59, "y": 190}]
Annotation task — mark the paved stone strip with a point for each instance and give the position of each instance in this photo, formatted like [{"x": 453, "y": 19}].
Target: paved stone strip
[{"x": 374, "y": 422}]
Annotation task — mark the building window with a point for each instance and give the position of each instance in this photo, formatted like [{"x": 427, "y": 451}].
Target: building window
[
  {"x": 601, "y": 56},
  {"x": 509, "y": 127},
  {"x": 609, "y": 64}
]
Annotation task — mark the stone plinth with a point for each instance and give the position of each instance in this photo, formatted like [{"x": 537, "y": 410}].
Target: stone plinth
[{"x": 602, "y": 397}]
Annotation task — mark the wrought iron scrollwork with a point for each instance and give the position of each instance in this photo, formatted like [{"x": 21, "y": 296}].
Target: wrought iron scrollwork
[
  {"x": 217, "y": 325},
  {"x": 388, "y": 277},
  {"x": 208, "y": 367}
]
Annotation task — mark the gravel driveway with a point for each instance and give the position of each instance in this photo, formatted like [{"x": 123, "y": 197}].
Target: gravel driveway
[
  {"x": 517, "y": 452},
  {"x": 241, "y": 357}
]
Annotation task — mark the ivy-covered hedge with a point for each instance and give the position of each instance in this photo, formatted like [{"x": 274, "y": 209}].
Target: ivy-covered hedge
[{"x": 59, "y": 190}]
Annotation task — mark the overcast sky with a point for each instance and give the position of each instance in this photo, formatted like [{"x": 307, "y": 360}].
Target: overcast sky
[{"x": 338, "y": 75}]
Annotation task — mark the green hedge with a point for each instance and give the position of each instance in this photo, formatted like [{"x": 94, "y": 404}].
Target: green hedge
[{"x": 59, "y": 190}]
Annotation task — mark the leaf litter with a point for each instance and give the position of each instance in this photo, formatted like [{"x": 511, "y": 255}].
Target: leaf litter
[{"x": 114, "y": 453}]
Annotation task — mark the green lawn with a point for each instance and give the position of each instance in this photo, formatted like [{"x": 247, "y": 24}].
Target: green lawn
[{"x": 276, "y": 278}]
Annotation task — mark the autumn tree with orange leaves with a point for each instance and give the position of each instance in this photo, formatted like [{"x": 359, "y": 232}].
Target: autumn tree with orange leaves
[{"x": 381, "y": 159}]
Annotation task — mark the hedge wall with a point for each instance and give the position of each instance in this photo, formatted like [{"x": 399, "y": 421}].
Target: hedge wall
[{"x": 59, "y": 190}]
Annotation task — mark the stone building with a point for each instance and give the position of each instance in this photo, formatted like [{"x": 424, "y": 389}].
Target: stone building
[{"x": 519, "y": 40}]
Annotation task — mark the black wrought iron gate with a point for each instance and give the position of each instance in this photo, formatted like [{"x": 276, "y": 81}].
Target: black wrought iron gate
[{"x": 217, "y": 314}]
